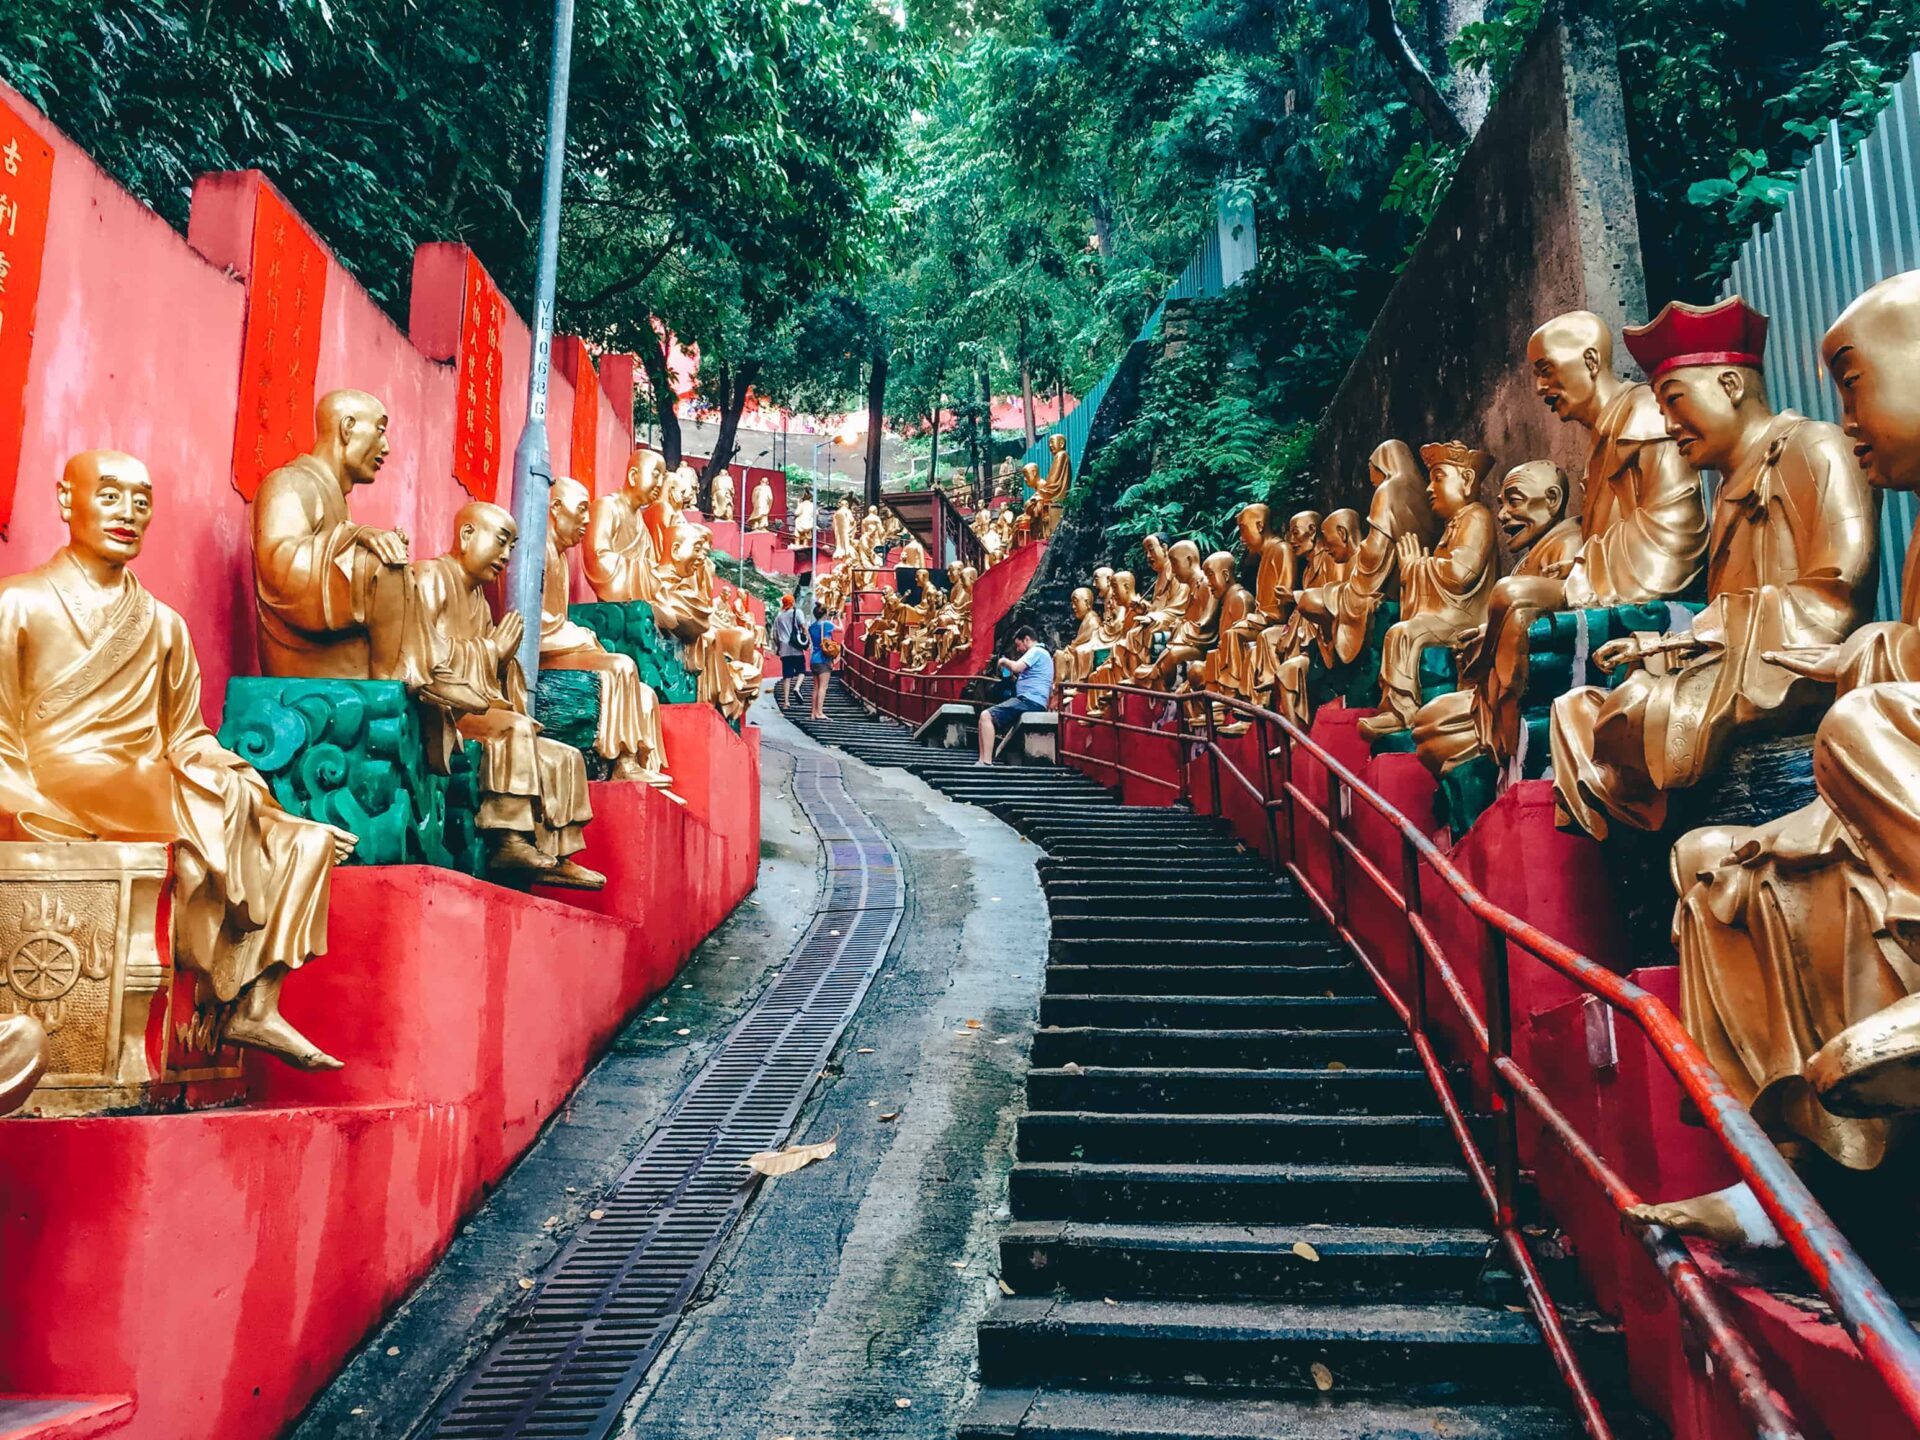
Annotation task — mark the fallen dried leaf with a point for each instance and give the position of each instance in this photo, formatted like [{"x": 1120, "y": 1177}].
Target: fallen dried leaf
[
  {"x": 973, "y": 1024},
  {"x": 794, "y": 1157},
  {"x": 1110, "y": 1300},
  {"x": 1005, "y": 1288},
  {"x": 393, "y": 1349},
  {"x": 887, "y": 1117},
  {"x": 683, "y": 1032},
  {"x": 1073, "y": 1069},
  {"x": 1305, "y": 1251},
  {"x": 1336, "y": 1065},
  {"x": 596, "y": 1214},
  {"x": 525, "y": 1284},
  {"x": 864, "y": 1050},
  {"x": 1322, "y": 1377},
  {"x": 903, "y": 1404}
]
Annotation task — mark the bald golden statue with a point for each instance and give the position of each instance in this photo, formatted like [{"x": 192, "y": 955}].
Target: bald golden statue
[
  {"x": 1788, "y": 564},
  {"x": 621, "y": 556},
  {"x": 1310, "y": 635},
  {"x": 806, "y": 517},
  {"x": 101, "y": 738},
  {"x": 1205, "y": 585},
  {"x": 1443, "y": 593},
  {"x": 628, "y": 731},
  {"x": 723, "y": 495},
  {"x": 1452, "y": 728},
  {"x": 533, "y": 791},
  {"x": 760, "y": 505},
  {"x": 1049, "y": 491},
  {"x": 333, "y": 599}
]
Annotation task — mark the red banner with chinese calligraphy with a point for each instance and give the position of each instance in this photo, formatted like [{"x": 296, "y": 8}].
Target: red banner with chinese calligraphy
[
  {"x": 476, "y": 433},
  {"x": 583, "y": 462},
  {"x": 280, "y": 351},
  {"x": 26, "y": 191}
]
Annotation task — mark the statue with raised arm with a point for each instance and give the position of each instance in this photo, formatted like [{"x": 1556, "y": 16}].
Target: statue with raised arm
[
  {"x": 1789, "y": 561},
  {"x": 628, "y": 730},
  {"x": 533, "y": 791},
  {"x": 334, "y": 600},
  {"x": 102, "y": 738},
  {"x": 1443, "y": 592},
  {"x": 1452, "y": 728}
]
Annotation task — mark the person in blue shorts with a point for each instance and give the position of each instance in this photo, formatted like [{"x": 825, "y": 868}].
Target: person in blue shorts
[
  {"x": 1032, "y": 670},
  {"x": 820, "y": 634}
]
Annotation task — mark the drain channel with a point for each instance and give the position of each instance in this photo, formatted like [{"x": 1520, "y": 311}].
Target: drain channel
[{"x": 582, "y": 1342}]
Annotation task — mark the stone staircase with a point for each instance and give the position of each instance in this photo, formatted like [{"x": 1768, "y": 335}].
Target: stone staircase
[{"x": 1237, "y": 1212}]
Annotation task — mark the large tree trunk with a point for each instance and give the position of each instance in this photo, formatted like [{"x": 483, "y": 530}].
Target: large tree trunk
[
  {"x": 984, "y": 428},
  {"x": 876, "y": 418},
  {"x": 933, "y": 464},
  {"x": 733, "y": 388},
  {"x": 653, "y": 360},
  {"x": 1026, "y": 384},
  {"x": 1445, "y": 125},
  {"x": 1102, "y": 227}
]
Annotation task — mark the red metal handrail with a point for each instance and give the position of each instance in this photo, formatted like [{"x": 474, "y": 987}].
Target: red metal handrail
[{"x": 1885, "y": 1338}]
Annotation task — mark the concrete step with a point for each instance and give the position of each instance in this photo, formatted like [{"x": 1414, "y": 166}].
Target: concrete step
[
  {"x": 1435, "y": 1353},
  {"x": 1284, "y": 1194},
  {"x": 1233, "y": 1138},
  {"x": 1108, "y": 978},
  {"x": 1340, "y": 1263},
  {"x": 1220, "y": 1049},
  {"x": 1200, "y": 872},
  {"x": 1226, "y": 1012},
  {"x": 1145, "y": 1090},
  {"x": 1062, "y": 1413},
  {"x": 1193, "y": 925},
  {"x": 1153, "y": 901},
  {"x": 1311, "y": 948}
]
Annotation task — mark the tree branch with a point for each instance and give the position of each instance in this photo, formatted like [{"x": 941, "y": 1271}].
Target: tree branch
[{"x": 1414, "y": 76}]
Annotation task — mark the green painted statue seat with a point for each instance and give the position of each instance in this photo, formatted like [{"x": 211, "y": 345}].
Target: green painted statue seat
[{"x": 627, "y": 628}]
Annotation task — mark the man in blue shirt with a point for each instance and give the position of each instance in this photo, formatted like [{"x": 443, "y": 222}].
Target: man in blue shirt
[{"x": 1032, "y": 670}]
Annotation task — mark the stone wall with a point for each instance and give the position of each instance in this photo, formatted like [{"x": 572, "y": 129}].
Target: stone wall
[{"x": 1539, "y": 220}]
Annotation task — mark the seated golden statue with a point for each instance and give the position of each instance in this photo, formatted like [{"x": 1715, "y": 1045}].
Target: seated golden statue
[
  {"x": 1073, "y": 660},
  {"x": 1799, "y": 951},
  {"x": 805, "y": 519},
  {"x": 846, "y": 526},
  {"x": 685, "y": 489},
  {"x": 1124, "y": 609},
  {"x": 1443, "y": 592},
  {"x": 866, "y": 545},
  {"x": 913, "y": 553},
  {"x": 1050, "y": 491},
  {"x": 1005, "y": 531},
  {"x": 722, "y": 653},
  {"x": 1198, "y": 630},
  {"x": 1309, "y": 636},
  {"x": 101, "y": 738},
  {"x": 723, "y": 495},
  {"x": 335, "y": 600},
  {"x": 1287, "y": 631},
  {"x": 884, "y": 630},
  {"x": 1272, "y": 554},
  {"x": 629, "y": 725},
  {"x": 760, "y": 503},
  {"x": 1788, "y": 565},
  {"x": 1452, "y": 728},
  {"x": 621, "y": 558},
  {"x": 953, "y": 622},
  {"x": 533, "y": 791}
]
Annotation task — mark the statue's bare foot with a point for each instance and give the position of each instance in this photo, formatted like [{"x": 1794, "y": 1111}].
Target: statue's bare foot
[
  {"x": 1376, "y": 726},
  {"x": 1872, "y": 1067},
  {"x": 274, "y": 1035},
  {"x": 569, "y": 876},
  {"x": 1729, "y": 1217},
  {"x": 515, "y": 855},
  {"x": 628, "y": 767}
]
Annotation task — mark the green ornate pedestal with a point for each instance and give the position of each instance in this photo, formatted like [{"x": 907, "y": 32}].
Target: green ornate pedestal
[
  {"x": 1438, "y": 672},
  {"x": 1357, "y": 683},
  {"x": 351, "y": 753},
  {"x": 567, "y": 705},
  {"x": 627, "y": 628}
]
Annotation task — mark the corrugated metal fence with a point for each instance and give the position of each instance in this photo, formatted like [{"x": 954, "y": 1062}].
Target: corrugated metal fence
[
  {"x": 1227, "y": 250},
  {"x": 1850, "y": 223}
]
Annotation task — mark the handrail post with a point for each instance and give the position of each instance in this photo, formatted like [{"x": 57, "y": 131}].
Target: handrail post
[
  {"x": 1336, "y": 860},
  {"x": 1494, "y": 984},
  {"x": 1181, "y": 731},
  {"x": 1113, "y": 718},
  {"x": 1213, "y": 760},
  {"x": 1268, "y": 798},
  {"x": 1416, "y": 952}
]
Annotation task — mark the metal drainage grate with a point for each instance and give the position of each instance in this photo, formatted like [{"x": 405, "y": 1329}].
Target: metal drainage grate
[{"x": 580, "y": 1345}]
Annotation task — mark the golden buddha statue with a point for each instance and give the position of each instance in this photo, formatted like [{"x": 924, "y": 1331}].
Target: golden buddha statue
[
  {"x": 1005, "y": 530},
  {"x": 1198, "y": 630},
  {"x": 685, "y": 489},
  {"x": 806, "y": 516},
  {"x": 1073, "y": 660},
  {"x": 1287, "y": 631},
  {"x": 101, "y": 738},
  {"x": 845, "y": 527},
  {"x": 1796, "y": 938},
  {"x": 335, "y": 600},
  {"x": 1165, "y": 605},
  {"x": 1270, "y": 603},
  {"x": 953, "y": 622},
  {"x": 760, "y": 505},
  {"x": 629, "y": 725},
  {"x": 912, "y": 554},
  {"x": 883, "y": 631},
  {"x": 1452, "y": 728},
  {"x": 1444, "y": 592},
  {"x": 533, "y": 791},
  {"x": 723, "y": 495},
  {"x": 621, "y": 558},
  {"x": 866, "y": 545},
  {"x": 1227, "y": 670},
  {"x": 1309, "y": 636},
  {"x": 991, "y": 542},
  {"x": 717, "y": 650},
  {"x": 1123, "y": 609},
  {"x": 1050, "y": 492},
  {"x": 1788, "y": 565}
]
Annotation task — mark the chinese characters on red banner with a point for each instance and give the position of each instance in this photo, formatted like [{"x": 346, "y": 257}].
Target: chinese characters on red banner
[
  {"x": 280, "y": 351},
  {"x": 26, "y": 189},
  {"x": 586, "y": 412},
  {"x": 476, "y": 433}
]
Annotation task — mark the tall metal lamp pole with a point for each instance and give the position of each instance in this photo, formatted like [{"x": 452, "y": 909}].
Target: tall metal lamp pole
[{"x": 532, "y": 462}]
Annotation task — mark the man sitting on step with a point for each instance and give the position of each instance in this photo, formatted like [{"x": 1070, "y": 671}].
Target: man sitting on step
[{"x": 1032, "y": 670}]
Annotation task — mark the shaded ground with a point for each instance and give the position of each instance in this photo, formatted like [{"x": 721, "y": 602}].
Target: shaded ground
[{"x": 837, "y": 1294}]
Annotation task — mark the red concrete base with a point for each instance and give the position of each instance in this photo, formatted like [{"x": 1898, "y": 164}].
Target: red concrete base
[
  {"x": 220, "y": 1265},
  {"x": 42, "y": 1417}
]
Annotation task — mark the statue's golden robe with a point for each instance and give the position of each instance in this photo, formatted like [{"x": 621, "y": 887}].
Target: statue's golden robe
[
  {"x": 528, "y": 783},
  {"x": 620, "y": 558},
  {"x": 1399, "y": 507},
  {"x": 760, "y": 516},
  {"x": 325, "y": 607},
  {"x": 1788, "y": 561},
  {"x": 1642, "y": 512},
  {"x": 1441, "y": 594},
  {"x": 629, "y": 722},
  {"x": 101, "y": 738}
]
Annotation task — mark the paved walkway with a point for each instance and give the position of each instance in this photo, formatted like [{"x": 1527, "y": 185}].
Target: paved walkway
[{"x": 851, "y": 1285}]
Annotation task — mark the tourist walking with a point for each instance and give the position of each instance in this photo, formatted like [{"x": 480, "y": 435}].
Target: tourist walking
[
  {"x": 790, "y": 644},
  {"x": 825, "y": 647}
]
